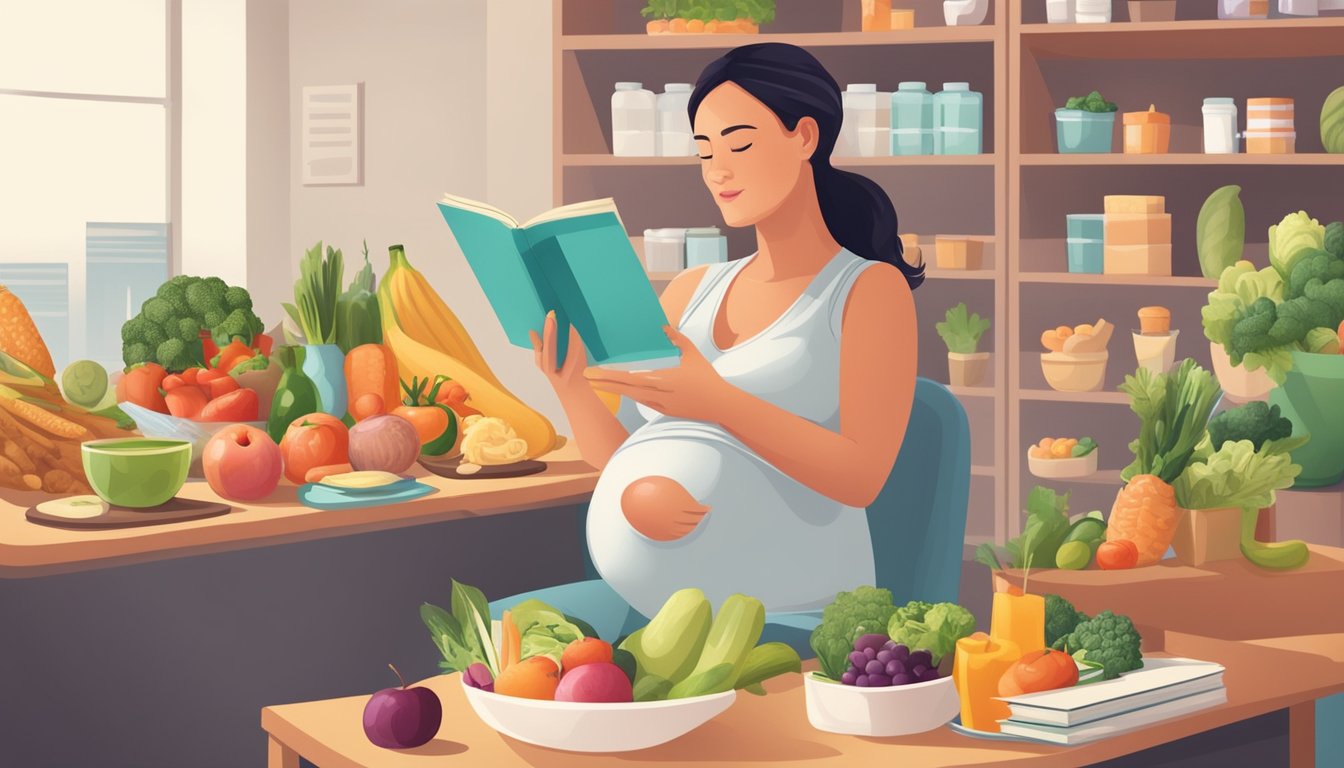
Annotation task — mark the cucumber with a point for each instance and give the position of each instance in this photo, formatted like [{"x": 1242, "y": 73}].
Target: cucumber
[{"x": 1087, "y": 529}]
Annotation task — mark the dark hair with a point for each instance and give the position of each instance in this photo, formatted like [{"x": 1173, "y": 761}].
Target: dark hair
[{"x": 793, "y": 84}]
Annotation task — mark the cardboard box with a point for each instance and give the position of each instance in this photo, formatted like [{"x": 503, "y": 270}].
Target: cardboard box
[
  {"x": 1138, "y": 229},
  {"x": 1137, "y": 259},
  {"x": 958, "y": 252},
  {"x": 1134, "y": 204}
]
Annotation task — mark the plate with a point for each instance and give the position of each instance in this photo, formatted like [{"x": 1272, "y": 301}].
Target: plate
[
  {"x": 447, "y": 467},
  {"x": 172, "y": 511},
  {"x": 326, "y": 497}
]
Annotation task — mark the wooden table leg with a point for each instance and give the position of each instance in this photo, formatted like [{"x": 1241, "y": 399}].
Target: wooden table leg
[
  {"x": 280, "y": 756},
  {"x": 1302, "y": 735}
]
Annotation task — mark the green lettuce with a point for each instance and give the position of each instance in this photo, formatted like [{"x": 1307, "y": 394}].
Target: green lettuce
[
  {"x": 1237, "y": 475},
  {"x": 1240, "y": 286},
  {"x": 1290, "y": 238},
  {"x": 934, "y": 628},
  {"x": 544, "y": 630}
]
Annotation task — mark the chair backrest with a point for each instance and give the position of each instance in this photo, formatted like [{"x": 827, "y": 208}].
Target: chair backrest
[{"x": 918, "y": 521}]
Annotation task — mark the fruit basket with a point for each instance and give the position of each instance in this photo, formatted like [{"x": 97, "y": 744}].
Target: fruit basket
[{"x": 1062, "y": 458}]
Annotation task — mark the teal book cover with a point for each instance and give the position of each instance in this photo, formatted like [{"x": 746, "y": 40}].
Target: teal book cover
[{"x": 576, "y": 260}]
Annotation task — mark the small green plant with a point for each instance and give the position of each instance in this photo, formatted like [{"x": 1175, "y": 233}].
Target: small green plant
[
  {"x": 1092, "y": 102},
  {"x": 758, "y": 11},
  {"x": 961, "y": 331}
]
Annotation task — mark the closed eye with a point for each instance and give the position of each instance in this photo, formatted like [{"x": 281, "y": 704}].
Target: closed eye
[{"x": 742, "y": 149}]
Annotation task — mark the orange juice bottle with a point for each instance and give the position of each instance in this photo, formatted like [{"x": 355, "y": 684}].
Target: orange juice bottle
[
  {"x": 979, "y": 663},
  {"x": 1019, "y": 619}
]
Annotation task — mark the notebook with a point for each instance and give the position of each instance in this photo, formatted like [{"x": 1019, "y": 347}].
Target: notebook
[
  {"x": 1117, "y": 724},
  {"x": 1157, "y": 682},
  {"x": 576, "y": 260}
]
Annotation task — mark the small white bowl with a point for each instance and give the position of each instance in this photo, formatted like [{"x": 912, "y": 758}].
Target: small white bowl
[
  {"x": 581, "y": 727},
  {"x": 895, "y": 710},
  {"x": 1062, "y": 469}
]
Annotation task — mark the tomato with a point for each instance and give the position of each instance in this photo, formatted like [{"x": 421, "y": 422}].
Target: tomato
[
  {"x": 1117, "y": 554},
  {"x": 185, "y": 402},
  {"x": 222, "y": 386},
  {"x": 238, "y": 405},
  {"x": 140, "y": 386},
  {"x": 435, "y": 425},
  {"x": 315, "y": 440}
]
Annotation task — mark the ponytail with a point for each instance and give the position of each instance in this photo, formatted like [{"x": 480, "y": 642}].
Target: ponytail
[{"x": 861, "y": 217}]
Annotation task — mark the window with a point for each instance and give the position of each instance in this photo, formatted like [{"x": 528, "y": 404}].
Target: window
[{"x": 86, "y": 190}]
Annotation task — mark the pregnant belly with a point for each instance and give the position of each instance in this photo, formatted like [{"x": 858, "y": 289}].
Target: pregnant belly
[{"x": 765, "y": 534}]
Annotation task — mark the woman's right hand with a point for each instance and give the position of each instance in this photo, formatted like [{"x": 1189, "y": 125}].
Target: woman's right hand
[{"x": 569, "y": 377}]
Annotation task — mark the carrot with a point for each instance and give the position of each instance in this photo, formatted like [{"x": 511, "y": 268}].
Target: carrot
[
  {"x": 372, "y": 369},
  {"x": 39, "y": 417},
  {"x": 512, "y": 644}
]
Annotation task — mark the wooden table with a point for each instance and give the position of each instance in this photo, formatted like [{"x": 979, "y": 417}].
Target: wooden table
[
  {"x": 28, "y": 549},
  {"x": 1262, "y": 677}
]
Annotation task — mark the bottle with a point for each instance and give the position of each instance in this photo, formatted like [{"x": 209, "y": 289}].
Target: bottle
[
  {"x": 912, "y": 120},
  {"x": 295, "y": 396},
  {"x": 958, "y": 113},
  {"x": 704, "y": 245},
  {"x": 674, "y": 122},
  {"x": 1220, "y": 126},
  {"x": 863, "y": 129},
  {"x": 634, "y": 121}
]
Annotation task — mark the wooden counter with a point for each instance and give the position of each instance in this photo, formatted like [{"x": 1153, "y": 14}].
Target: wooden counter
[
  {"x": 1261, "y": 677},
  {"x": 28, "y": 549}
]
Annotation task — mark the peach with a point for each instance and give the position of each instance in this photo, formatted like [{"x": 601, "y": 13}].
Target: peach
[
  {"x": 597, "y": 682},
  {"x": 532, "y": 678},
  {"x": 585, "y": 650}
]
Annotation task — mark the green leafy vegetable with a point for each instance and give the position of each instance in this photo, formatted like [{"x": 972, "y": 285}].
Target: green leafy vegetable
[
  {"x": 1107, "y": 639},
  {"x": 316, "y": 292},
  {"x": 1092, "y": 102},
  {"x": 1239, "y": 475},
  {"x": 462, "y": 635},
  {"x": 168, "y": 329},
  {"x": 960, "y": 331},
  {"x": 544, "y": 630},
  {"x": 1046, "y": 527},
  {"x": 1256, "y": 421},
  {"x": 1173, "y": 410},
  {"x": 1061, "y": 618},
  {"x": 1288, "y": 239},
  {"x": 934, "y": 628},
  {"x": 866, "y": 609},
  {"x": 758, "y": 11},
  {"x": 358, "y": 320},
  {"x": 1220, "y": 231}
]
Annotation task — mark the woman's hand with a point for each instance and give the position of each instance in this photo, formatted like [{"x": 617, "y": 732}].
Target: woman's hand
[
  {"x": 691, "y": 390},
  {"x": 570, "y": 375}
]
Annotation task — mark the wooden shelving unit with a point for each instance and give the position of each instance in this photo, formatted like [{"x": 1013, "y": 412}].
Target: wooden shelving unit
[{"x": 1015, "y": 195}]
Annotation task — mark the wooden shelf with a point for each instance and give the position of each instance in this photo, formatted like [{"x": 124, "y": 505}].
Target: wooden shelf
[
  {"x": 1153, "y": 281},
  {"x": 1181, "y": 158},
  {"x": 933, "y": 273},
  {"x": 1050, "y": 395},
  {"x": 613, "y": 161},
  {"x": 1197, "y": 39},
  {"x": 974, "y": 391},
  {"x": 978, "y": 470},
  {"x": 1100, "y": 477},
  {"x": 984, "y": 33}
]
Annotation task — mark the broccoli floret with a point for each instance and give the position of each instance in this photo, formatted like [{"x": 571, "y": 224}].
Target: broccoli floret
[
  {"x": 136, "y": 352},
  {"x": 216, "y": 285},
  {"x": 176, "y": 355},
  {"x": 153, "y": 334},
  {"x": 1256, "y": 421},
  {"x": 1315, "y": 265},
  {"x": 1251, "y": 332},
  {"x": 1296, "y": 317},
  {"x": 133, "y": 330},
  {"x": 1109, "y": 640},
  {"x": 864, "y": 610},
  {"x": 239, "y": 324},
  {"x": 187, "y": 329},
  {"x": 201, "y": 300},
  {"x": 1061, "y": 618},
  {"x": 159, "y": 311},
  {"x": 175, "y": 294},
  {"x": 1334, "y": 239},
  {"x": 237, "y": 298},
  {"x": 1330, "y": 294},
  {"x": 214, "y": 318}
]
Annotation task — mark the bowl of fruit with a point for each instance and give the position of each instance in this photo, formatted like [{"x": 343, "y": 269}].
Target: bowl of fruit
[
  {"x": 888, "y": 690},
  {"x": 1076, "y": 357},
  {"x": 1058, "y": 458}
]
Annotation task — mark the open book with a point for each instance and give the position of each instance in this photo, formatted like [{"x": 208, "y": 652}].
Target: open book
[{"x": 576, "y": 260}]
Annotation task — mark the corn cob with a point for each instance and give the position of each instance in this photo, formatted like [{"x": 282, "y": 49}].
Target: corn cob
[{"x": 19, "y": 336}]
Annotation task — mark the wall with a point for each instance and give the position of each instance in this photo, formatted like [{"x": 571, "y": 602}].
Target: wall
[{"x": 435, "y": 75}]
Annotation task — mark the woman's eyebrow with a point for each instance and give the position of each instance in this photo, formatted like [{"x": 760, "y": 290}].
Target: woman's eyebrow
[{"x": 732, "y": 128}]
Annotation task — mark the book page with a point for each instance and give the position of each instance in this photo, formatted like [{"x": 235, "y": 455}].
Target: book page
[
  {"x": 575, "y": 210},
  {"x": 477, "y": 206}
]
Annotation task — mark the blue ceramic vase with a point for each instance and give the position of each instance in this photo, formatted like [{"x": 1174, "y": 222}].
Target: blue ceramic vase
[{"x": 325, "y": 365}]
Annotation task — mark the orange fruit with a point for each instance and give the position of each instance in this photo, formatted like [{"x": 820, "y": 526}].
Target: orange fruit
[
  {"x": 532, "y": 678},
  {"x": 585, "y": 650}
]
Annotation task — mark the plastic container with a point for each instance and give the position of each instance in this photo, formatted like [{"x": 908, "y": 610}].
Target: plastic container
[
  {"x": 1147, "y": 133},
  {"x": 634, "y": 121},
  {"x": 958, "y": 252},
  {"x": 665, "y": 249},
  {"x": 865, "y": 130},
  {"x": 704, "y": 245},
  {"x": 1086, "y": 226},
  {"x": 1269, "y": 126},
  {"x": 1079, "y": 131},
  {"x": 912, "y": 141},
  {"x": 1092, "y": 12},
  {"x": 1243, "y": 9},
  {"x": 1086, "y": 257},
  {"x": 876, "y": 15},
  {"x": 1300, "y": 7},
  {"x": 1152, "y": 10},
  {"x": 958, "y": 116},
  {"x": 1059, "y": 11},
  {"x": 1220, "y": 126},
  {"x": 674, "y": 123}
]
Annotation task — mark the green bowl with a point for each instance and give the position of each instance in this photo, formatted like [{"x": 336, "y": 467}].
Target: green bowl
[{"x": 135, "y": 471}]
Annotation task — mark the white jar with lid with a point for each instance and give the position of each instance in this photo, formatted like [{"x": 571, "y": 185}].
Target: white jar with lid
[
  {"x": 1059, "y": 11},
  {"x": 634, "y": 121},
  {"x": 674, "y": 121},
  {"x": 1220, "y": 126},
  {"x": 665, "y": 249},
  {"x": 866, "y": 128},
  {"x": 1093, "y": 12}
]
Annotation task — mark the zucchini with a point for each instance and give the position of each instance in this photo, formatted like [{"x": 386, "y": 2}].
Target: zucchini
[{"x": 1086, "y": 529}]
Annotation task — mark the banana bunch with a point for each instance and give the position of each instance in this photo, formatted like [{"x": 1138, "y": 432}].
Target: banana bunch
[{"x": 428, "y": 340}]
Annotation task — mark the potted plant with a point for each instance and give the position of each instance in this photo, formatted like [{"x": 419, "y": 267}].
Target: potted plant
[
  {"x": 699, "y": 16},
  {"x": 961, "y": 332},
  {"x": 1230, "y": 480},
  {"x": 1285, "y": 320},
  {"x": 1085, "y": 124}
]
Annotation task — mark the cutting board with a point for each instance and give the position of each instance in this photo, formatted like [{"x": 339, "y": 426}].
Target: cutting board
[
  {"x": 447, "y": 467},
  {"x": 172, "y": 511}
]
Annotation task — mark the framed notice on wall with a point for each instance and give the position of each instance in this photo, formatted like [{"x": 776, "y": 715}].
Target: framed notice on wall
[{"x": 333, "y": 134}]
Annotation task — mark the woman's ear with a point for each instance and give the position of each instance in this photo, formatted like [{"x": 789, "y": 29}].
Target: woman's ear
[{"x": 809, "y": 133}]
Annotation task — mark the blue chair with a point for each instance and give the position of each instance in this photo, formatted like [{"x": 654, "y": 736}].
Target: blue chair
[{"x": 918, "y": 524}]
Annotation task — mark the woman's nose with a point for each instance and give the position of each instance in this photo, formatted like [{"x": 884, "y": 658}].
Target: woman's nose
[{"x": 719, "y": 172}]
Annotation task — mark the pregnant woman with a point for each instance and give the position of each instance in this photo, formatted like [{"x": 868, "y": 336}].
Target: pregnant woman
[{"x": 747, "y": 467}]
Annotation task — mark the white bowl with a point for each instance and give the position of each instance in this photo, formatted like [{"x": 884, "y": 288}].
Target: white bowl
[
  {"x": 895, "y": 710},
  {"x": 168, "y": 427},
  {"x": 1060, "y": 469},
  {"x": 581, "y": 727}
]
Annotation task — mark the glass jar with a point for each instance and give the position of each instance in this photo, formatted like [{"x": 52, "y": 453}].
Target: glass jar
[
  {"x": 1220, "y": 126},
  {"x": 912, "y": 120},
  {"x": 958, "y": 115},
  {"x": 674, "y": 121},
  {"x": 634, "y": 121},
  {"x": 665, "y": 249},
  {"x": 704, "y": 245}
]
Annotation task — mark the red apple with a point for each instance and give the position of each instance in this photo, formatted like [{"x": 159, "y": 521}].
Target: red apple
[
  {"x": 241, "y": 463},
  {"x": 401, "y": 718}
]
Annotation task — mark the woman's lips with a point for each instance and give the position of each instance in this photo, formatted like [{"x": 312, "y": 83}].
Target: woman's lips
[{"x": 728, "y": 197}]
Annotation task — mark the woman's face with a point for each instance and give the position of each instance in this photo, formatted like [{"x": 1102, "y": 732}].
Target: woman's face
[{"x": 749, "y": 160}]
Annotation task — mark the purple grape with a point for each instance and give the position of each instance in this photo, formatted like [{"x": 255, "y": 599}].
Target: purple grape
[
  {"x": 849, "y": 678},
  {"x": 902, "y": 679},
  {"x": 858, "y": 659},
  {"x": 900, "y": 652},
  {"x": 861, "y": 681},
  {"x": 921, "y": 657},
  {"x": 884, "y": 656},
  {"x": 890, "y": 645},
  {"x": 870, "y": 653},
  {"x": 917, "y": 669},
  {"x": 875, "y": 667},
  {"x": 929, "y": 675},
  {"x": 872, "y": 640},
  {"x": 878, "y": 681},
  {"x": 894, "y": 668}
]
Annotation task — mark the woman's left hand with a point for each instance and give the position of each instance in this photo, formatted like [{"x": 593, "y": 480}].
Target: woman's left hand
[{"x": 691, "y": 390}]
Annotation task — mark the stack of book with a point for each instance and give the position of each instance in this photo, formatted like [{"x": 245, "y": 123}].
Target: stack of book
[{"x": 1162, "y": 690}]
